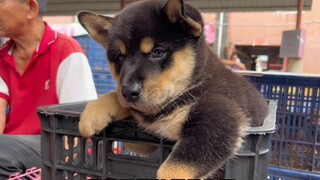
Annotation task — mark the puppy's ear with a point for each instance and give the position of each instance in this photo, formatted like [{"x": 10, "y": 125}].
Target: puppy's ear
[
  {"x": 96, "y": 25},
  {"x": 174, "y": 10}
]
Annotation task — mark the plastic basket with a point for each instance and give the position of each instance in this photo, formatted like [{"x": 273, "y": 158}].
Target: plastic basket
[
  {"x": 98, "y": 62},
  {"x": 65, "y": 154},
  {"x": 287, "y": 174},
  {"x": 296, "y": 145}
]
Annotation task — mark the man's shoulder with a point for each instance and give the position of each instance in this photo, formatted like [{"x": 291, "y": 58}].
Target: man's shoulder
[
  {"x": 67, "y": 42},
  {"x": 66, "y": 47}
]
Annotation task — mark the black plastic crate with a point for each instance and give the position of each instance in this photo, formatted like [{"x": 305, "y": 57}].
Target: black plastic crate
[{"x": 66, "y": 155}]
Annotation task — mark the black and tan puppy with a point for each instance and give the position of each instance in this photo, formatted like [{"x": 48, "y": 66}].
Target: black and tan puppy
[{"x": 173, "y": 85}]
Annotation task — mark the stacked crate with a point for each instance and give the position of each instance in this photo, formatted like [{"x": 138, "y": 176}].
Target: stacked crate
[{"x": 296, "y": 144}]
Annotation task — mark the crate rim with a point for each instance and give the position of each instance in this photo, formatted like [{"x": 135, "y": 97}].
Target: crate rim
[{"x": 268, "y": 126}]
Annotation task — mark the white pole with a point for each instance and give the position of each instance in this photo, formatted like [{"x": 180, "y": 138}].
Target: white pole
[{"x": 220, "y": 31}]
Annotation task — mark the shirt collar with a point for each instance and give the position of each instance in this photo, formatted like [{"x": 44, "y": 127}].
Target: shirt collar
[
  {"x": 49, "y": 36},
  {"x": 6, "y": 48}
]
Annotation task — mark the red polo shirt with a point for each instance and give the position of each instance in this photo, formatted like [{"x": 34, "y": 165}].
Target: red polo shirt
[{"x": 58, "y": 72}]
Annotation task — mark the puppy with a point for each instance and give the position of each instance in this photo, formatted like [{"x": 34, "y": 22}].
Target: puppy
[{"x": 173, "y": 85}]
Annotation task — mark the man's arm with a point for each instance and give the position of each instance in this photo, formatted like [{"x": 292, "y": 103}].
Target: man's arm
[
  {"x": 3, "y": 109},
  {"x": 4, "y": 96},
  {"x": 75, "y": 79}
]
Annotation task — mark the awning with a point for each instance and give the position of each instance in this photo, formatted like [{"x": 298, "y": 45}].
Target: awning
[{"x": 71, "y": 7}]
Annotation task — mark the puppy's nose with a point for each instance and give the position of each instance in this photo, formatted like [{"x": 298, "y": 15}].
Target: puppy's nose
[{"x": 131, "y": 92}]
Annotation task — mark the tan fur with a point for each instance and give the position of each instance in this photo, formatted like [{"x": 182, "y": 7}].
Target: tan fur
[
  {"x": 146, "y": 45},
  {"x": 169, "y": 126},
  {"x": 122, "y": 47},
  {"x": 180, "y": 74},
  {"x": 197, "y": 29},
  {"x": 175, "y": 170},
  {"x": 160, "y": 88},
  {"x": 99, "y": 113}
]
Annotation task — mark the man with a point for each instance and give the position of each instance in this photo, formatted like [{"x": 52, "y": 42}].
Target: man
[{"x": 37, "y": 67}]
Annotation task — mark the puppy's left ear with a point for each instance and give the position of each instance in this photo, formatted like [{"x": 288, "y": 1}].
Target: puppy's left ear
[
  {"x": 175, "y": 13},
  {"x": 96, "y": 25}
]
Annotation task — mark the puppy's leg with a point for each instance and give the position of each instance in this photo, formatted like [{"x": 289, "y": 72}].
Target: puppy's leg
[
  {"x": 184, "y": 162},
  {"x": 190, "y": 160},
  {"x": 99, "y": 113},
  {"x": 209, "y": 138},
  {"x": 172, "y": 169}
]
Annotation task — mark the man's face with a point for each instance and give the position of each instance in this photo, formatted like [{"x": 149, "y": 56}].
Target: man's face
[{"x": 13, "y": 17}]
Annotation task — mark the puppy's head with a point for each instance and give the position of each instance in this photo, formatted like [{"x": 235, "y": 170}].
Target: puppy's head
[{"x": 153, "y": 49}]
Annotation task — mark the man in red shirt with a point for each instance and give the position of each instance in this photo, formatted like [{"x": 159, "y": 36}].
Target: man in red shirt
[{"x": 38, "y": 66}]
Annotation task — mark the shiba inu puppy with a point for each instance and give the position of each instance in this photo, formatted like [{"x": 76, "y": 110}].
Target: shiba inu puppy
[{"x": 173, "y": 85}]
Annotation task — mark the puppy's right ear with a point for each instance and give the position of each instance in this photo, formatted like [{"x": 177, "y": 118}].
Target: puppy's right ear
[
  {"x": 175, "y": 13},
  {"x": 96, "y": 25}
]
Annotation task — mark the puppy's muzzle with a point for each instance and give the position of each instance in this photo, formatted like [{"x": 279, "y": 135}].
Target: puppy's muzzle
[{"x": 131, "y": 92}]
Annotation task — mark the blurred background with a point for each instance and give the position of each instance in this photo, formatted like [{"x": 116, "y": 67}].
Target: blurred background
[
  {"x": 257, "y": 30},
  {"x": 277, "y": 40}
]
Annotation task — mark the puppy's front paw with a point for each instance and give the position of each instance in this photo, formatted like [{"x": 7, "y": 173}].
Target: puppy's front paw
[
  {"x": 99, "y": 113},
  {"x": 93, "y": 119}
]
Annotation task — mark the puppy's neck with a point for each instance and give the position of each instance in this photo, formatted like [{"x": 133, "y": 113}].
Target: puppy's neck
[{"x": 185, "y": 98}]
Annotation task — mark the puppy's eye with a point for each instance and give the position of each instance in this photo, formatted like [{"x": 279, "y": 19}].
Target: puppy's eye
[
  {"x": 120, "y": 58},
  {"x": 159, "y": 53}
]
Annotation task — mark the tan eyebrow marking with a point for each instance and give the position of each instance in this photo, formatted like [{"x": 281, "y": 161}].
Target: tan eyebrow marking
[
  {"x": 121, "y": 45},
  {"x": 146, "y": 45}
]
